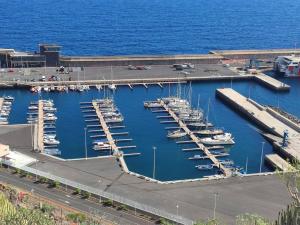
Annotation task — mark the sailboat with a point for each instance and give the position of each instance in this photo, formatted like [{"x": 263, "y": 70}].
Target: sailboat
[{"x": 112, "y": 86}]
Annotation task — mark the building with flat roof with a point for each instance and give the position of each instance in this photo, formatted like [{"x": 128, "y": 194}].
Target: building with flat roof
[
  {"x": 4, "y": 150},
  {"x": 12, "y": 58}
]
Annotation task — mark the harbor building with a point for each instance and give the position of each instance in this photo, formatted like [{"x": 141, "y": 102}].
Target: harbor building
[
  {"x": 9, "y": 58},
  {"x": 49, "y": 55}
]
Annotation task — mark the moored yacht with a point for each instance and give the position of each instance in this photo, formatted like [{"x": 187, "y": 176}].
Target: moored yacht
[{"x": 222, "y": 139}]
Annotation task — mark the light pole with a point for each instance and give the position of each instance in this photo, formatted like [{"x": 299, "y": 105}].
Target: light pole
[
  {"x": 99, "y": 182},
  {"x": 246, "y": 168},
  {"x": 177, "y": 207},
  {"x": 85, "y": 147},
  {"x": 215, "y": 204},
  {"x": 154, "y": 150},
  {"x": 261, "y": 156}
]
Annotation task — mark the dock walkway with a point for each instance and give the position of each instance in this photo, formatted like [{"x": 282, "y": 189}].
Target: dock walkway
[
  {"x": 195, "y": 139},
  {"x": 109, "y": 137},
  {"x": 40, "y": 126},
  {"x": 279, "y": 163},
  {"x": 266, "y": 118},
  {"x": 1, "y": 103},
  {"x": 271, "y": 82}
]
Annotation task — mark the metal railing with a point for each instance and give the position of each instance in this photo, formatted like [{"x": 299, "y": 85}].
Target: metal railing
[{"x": 116, "y": 198}]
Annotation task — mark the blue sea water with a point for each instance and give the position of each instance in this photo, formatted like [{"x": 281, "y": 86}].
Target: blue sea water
[
  {"x": 146, "y": 131},
  {"x": 124, "y": 27}
]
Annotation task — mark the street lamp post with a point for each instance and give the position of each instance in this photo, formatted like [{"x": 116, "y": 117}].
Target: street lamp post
[
  {"x": 177, "y": 208},
  {"x": 215, "y": 204},
  {"x": 85, "y": 147},
  {"x": 246, "y": 168},
  {"x": 99, "y": 182},
  {"x": 261, "y": 156},
  {"x": 154, "y": 161}
]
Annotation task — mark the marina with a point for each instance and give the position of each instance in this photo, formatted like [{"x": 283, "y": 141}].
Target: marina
[
  {"x": 5, "y": 108},
  {"x": 170, "y": 104},
  {"x": 269, "y": 120}
]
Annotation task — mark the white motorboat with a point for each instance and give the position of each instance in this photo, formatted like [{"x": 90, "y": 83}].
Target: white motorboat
[
  {"x": 51, "y": 141},
  {"x": 204, "y": 167},
  {"x": 210, "y": 132},
  {"x": 112, "y": 87},
  {"x": 33, "y": 107},
  {"x": 49, "y": 109},
  {"x": 176, "y": 134},
  {"x": 152, "y": 104},
  {"x": 98, "y": 87},
  {"x": 114, "y": 119},
  {"x": 222, "y": 139},
  {"x": 50, "y": 118},
  {"x": 8, "y": 98}
]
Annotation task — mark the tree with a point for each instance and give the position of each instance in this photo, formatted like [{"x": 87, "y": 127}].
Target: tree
[
  {"x": 76, "y": 217},
  {"x": 291, "y": 179},
  {"x": 251, "y": 219}
]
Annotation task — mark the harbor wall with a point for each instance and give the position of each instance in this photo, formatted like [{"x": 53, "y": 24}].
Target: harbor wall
[
  {"x": 86, "y": 61},
  {"x": 283, "y": 119},
  {"x": 243, "y": 111},
  {"x": 257, "y": 54},
  {"x": 212, "y": 58}
]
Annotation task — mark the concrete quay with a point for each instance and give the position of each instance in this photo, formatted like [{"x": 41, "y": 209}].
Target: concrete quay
[
  {"x": 268, "y": 119},
  {"x": 278, "y": 163},
  {"x": 271, "y": 82},
  {"x": 256, "y": 53},
  {"x": 262, "y": 195}
]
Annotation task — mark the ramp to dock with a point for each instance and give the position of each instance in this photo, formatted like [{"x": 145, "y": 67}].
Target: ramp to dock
[
  {"x": 271, "y": 82},
  {"x": 279, "y": 163}
]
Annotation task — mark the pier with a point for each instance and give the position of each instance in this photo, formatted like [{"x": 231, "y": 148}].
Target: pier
[
  {"x": 1, "y": 103},
  {"x": 268, "y": 119},
  {"x": 271, "y": 82},
  {"x": 109, "y": 137},
  {"x": 278, "y": 163},
  {"x": 40, "y": 126},
  {"x": 194, "y": 139}
]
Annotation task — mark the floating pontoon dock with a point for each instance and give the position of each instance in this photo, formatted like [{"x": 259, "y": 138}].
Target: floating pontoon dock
[
  {"x": 271, "y": 82},
  {"x": 194, "y": 139},
  {"x": 109, "y": 137},
  {"x": 279, "y": 163},
  {"x": 1, "y": 103},
  {"x": 40, "y": 126}
]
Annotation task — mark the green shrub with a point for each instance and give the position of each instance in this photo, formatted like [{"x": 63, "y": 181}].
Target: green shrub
[
  {"x": 76, "y": 217},
  {"x": 108, "y": 202}
]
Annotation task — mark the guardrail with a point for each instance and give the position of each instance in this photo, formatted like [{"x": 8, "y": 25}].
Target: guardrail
[{"x": 107, "y": 195}]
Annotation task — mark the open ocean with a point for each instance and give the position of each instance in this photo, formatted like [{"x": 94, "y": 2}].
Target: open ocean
[
  {"x": 125, "y": 27},
  {"x": 143, "y": 27}
]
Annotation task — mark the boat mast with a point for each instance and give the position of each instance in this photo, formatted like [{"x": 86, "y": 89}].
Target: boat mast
[
  {"x": 206, "y": 122},
  {"x": 198, "y": 103}
]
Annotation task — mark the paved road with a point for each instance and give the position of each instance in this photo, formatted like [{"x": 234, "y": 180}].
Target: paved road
[{"x": 77, "y": 203}]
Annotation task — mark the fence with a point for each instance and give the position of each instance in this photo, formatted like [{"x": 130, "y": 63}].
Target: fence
[{"x": 113, "y": 197}]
